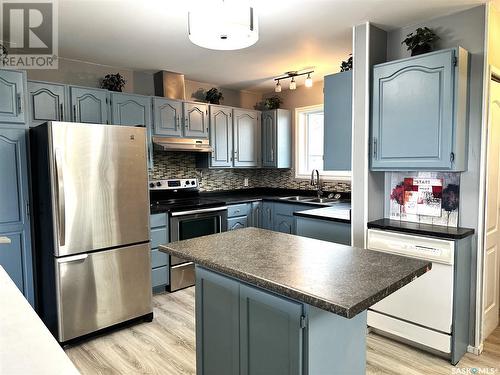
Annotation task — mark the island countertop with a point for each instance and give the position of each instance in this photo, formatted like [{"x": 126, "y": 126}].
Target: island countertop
[{"x": 340, "y": 279}]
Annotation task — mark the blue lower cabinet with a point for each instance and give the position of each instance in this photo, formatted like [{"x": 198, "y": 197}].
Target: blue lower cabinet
[
  {"x": 160, "y": 276},
  {"x": 325, "y": 230},
  {"x": 267, "y": 215},
  {"x": 244, "y": 330},
  {"x": 256, "y": 217},
  {"x": 239, "y": 222},
  {"x": 283, "y": 219},
  {"x": 15, "y": 233}
]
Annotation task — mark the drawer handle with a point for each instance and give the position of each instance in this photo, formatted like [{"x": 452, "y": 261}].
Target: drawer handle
[{"x": 5, "y": 240}]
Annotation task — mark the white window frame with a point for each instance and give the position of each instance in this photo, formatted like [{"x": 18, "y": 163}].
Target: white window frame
[{"x": 325, "y": 175}]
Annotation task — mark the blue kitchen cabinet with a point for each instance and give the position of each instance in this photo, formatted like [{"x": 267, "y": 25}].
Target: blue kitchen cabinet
[
  {"x": 89, "y": 105},
  {"x": 257, "y": 214},
  {"x": 47, "y": 102},
  {"x": 195, "y": 119},
  {"x": 277, "y": 139},
  {"x": 12, "y": 97},
  {"x": 15, "y": 247},
  {"x": 247, "y": 138},
  {"x": 419, "y": 113},
  {"x": 238, "y": 216},
  {"x": 129, "y": 109},
  {"x": 283, "y": 219},
  {"x": 159, "y": 260},
  {"x": 221, "y": 136},
  {"x": 326, "y": 230},
  {"x": 167, "y": 117},
  {"x": 228, "y": 315},
  {"x": 338, "y": 121},
  {"x": 271, "y": 333},
  {"x": 267, "y": 215}
]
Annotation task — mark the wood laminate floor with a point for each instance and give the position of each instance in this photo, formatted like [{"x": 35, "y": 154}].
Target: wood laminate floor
[{"x": 167, "y": 346}]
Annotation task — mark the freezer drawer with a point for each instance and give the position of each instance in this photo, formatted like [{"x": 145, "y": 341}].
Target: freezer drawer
[{"x": 101, "y": 289}]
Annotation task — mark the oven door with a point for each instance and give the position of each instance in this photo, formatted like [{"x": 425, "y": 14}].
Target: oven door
[{"x": 196, "y": 223}]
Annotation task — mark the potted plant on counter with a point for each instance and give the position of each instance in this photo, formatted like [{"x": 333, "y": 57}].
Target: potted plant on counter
[{"x": 421, "y": 41}]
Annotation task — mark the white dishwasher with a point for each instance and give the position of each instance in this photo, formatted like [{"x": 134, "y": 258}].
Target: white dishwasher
[{"x": 422, "y": 311}]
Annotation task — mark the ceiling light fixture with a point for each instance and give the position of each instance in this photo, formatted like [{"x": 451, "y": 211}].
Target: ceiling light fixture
[
  {"x": 278, "y": 87},
  {"x": 226, "y": 25},
  {"x": 309, "y": 81},
  {"x": 293, "y": 84}
]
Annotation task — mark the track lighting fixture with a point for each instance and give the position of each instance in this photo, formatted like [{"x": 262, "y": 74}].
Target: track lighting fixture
[{"x": 293, "y": 83}]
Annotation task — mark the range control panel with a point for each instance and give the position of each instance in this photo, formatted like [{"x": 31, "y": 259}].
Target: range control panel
[{"x": 181, "y": 183}]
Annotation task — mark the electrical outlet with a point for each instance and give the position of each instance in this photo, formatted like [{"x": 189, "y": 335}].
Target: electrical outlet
[{"x": 245, "y": 182}]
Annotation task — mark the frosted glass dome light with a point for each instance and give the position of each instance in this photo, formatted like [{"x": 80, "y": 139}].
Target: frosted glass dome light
[{"x": 223, "y": 25}]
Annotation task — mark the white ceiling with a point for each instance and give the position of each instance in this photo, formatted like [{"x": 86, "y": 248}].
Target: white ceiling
[{"x": 151, "y": 35}]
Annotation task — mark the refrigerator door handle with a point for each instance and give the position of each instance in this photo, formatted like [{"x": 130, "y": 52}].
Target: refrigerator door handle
[
  {"x": 73, "y": 258},
  {"x": 61, "y": 204}
]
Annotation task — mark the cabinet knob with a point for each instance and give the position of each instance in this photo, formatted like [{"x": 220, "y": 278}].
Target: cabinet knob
[{"x": 5, "y": 240}]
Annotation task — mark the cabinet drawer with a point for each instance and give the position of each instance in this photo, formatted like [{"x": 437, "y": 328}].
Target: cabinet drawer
[
  {"x": 158, "y": 259},
  {"x": 238, "y": 210},
  {"x": 159, "y": 276},
  {"x": 158, "y": 237},
  {"x": 158, "y": 220}
]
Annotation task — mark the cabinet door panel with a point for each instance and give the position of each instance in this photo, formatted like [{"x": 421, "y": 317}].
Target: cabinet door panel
[
  {"x": 237, "y": 223},
  {"x": 133, "y": 110},
  {"x": 257, "y": 214},
  {"x": 412, "y": 124},
  {"x": 217, "y": 324},
  {"x": 246, "y": 138},
  {"x": 47, "y": 102},
  {"x": 269, "y": 138},
  {"x": 221, "y": 136},
  {"x": 167, "y": 117},
  {"x": 89, "y": 105},
  {"x": 271, "y": 335},
  {"x": 195, "y": 120},
  {"x": 338, "y": 121},
  {"x": 15, "y": 257},
  {"x": 12, "y": 97},
  {"x": 267, "y": 215}
]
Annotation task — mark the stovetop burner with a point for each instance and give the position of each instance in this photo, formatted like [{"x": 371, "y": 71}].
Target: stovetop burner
[{"x": 178, "y": 195}]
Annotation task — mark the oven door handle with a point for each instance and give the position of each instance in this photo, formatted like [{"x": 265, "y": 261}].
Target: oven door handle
[{"x": 200, "y": 211}]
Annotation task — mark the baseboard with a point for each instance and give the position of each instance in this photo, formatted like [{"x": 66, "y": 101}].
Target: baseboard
[{"x": 476, "y": 350}]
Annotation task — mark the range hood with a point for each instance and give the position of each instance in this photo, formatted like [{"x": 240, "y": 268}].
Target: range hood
[{"x": 182, "y": 144}]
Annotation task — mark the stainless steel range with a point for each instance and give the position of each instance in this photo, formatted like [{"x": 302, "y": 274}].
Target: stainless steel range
[{"x": 190, "y": 216}]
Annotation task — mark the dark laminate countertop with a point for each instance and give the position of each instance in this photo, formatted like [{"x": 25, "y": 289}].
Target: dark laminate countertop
[
  {"x": 421, "y": 229},
  {"x": 333, "y": 277}
]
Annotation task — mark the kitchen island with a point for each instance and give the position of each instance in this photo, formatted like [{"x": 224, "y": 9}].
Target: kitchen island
[{"x": 273, "y": 303}]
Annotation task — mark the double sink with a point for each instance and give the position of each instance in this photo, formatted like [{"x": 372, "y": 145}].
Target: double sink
[{"x": 309, "y": 199}]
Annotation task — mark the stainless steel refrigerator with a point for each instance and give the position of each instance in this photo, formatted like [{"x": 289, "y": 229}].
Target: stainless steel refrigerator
[{"x": 91, "y": 211}]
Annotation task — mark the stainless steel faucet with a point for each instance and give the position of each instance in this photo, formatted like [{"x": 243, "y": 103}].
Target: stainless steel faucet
[{"x": 315, "y": 181}]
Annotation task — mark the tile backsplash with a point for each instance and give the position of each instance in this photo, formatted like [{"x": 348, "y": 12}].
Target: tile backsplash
[{"x": 183, "y": 165}]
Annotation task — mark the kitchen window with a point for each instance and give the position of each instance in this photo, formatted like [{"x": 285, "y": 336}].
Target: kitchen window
[{"x": 309, "y": 146}]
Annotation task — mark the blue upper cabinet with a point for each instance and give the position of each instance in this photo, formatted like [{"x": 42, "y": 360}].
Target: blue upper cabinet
[
  {"x": 246, "y": 130},
  {"x": 89, "y": 105},
  {"x": 129, "y": 109},
  {"x": 338, "y": 121},
  {"x": 15, "y": 244},
  {"x": 221, "y": 136},
  {"x": 195, "y": 120},
  {"x": 47, "y": 102},
  {"x": 12, "y": 91},
  {"x": 419, "y": 113},
  {"x": 167, "y": 117},
  {"x": 277, "y": 139}
]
